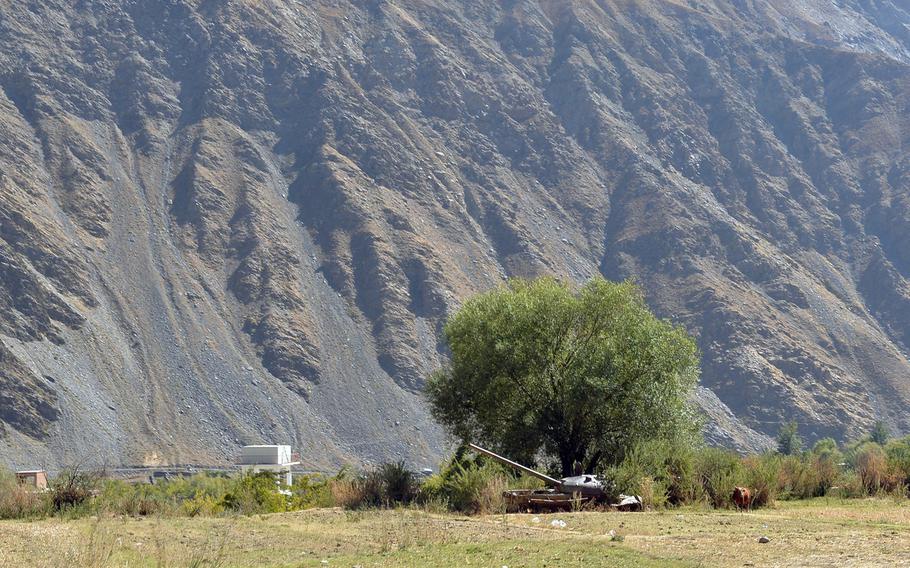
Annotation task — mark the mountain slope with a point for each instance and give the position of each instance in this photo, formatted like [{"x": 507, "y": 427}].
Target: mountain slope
[{"x": 242, "y": 222}]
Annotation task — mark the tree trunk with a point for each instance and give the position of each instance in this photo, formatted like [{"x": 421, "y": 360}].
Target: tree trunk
[
  {"x": 593, "y": 462},
  {"x": 570, "y": 453},
  {"x": 566, "y": 459}
]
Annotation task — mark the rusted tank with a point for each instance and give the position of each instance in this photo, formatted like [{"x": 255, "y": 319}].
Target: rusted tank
[{"x": 561, "y": 494}]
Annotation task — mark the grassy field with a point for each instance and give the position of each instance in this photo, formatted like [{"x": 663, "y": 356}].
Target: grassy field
[{"x": 820, "y": 532}]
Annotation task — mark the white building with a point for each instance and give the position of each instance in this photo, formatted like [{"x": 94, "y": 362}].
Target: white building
[{"x": 276, "y": 459}]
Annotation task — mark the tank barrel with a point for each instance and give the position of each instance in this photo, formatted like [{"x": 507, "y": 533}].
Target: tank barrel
[{"x": 546, "y": 478}]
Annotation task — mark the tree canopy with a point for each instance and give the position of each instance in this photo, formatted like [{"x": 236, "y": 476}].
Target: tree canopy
[
  {"x": 880, "y": 433},
  {"x": 539, "y": 369},
  {"x": 788, "y": 441}
]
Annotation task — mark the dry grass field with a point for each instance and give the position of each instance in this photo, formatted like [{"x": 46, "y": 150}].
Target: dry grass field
[{"x": 872, "y": 532}]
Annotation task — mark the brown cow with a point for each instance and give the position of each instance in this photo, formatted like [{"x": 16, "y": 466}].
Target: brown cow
[{"x": 742, "y": 497}]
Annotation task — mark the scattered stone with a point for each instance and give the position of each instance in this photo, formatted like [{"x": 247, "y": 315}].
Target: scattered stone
[{"x": 764, "y": 539}]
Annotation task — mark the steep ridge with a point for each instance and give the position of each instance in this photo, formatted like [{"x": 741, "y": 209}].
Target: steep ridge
[{"x": 243, "y": 222}]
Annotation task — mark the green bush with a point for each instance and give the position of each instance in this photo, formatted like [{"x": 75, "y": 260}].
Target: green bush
[
  {"x": 719, "y": 471},
  {"x": 477, "y": 489},
  {"x": 660, "y": 472},
  {"x": 827, "y": 459},
  {"x": 879, "y": 434},
  {"x": 255, "y": 494},
  {"x": 201, "y": 506},
  {"x": 788, "y": 441},
  {"x": 310, "y": 491},
  {"x": 827, "y": 472},
  {"x": 797, "y": 477},
  {"x": 663, "y": 474},
  {"x": 119, "y": 498},
  {"x": 471, "y": 486},
  {"x": 849, "y": 486},
  {"x": 399, "y": 485},
  {"x": 390, "y": 484},
  {"x": 654, "y": 492},
  {"x": 898, "y": 455},
  {"x": 762, "y": 476},
  {"x": 201, "y": 494}
]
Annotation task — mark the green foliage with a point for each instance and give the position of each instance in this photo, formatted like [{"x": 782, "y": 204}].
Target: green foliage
[
  {"x": 898, "y": 454},
  {"x": 664, "y": 474},
  {"x": 879, "y": 433},
  {"x": 539, "y": 369},
  {"x": 471, "y": 485},
  {"x": 762, "y": 477},
  {"x": 255, "y": 493},
  {"x": 660, "y": 471},
  {"x": 201, "y": 506},
  {"x": 788, "y": 441},
  {"x": 719, "y": 471},
  {"x": 201, "y": 494},
  {"x": 827, "y": 447},
  {"x": 309, "y": 491},
  {"x": 399, "y": 485},
  {"x": 688, "y": 475},
  {"x": 826, "y": 459},
  {"x": 388, "y": 485},
  {"x": 798, "y": 479}
]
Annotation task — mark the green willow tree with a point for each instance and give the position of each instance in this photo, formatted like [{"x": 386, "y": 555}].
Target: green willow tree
[{"x": 539, "y": 369}]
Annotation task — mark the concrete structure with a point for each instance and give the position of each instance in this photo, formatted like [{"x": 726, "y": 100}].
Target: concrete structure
[
  {"x": 36, "y": 478},
  {"x": 276, "y": 459}
]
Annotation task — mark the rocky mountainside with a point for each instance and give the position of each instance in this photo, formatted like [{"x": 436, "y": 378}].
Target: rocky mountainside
[{"x": 237, "y": 221}]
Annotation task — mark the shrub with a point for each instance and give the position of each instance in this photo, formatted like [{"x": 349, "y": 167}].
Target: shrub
[
  {"x": 827, "y": 471},
  {"x": 659, "y": 468},
  {"x": 788, "y": 441},
  {"x": 398, "y": 484},
  {"x": 256, "y": 493},
  {"x": 879, "y": 433},
  {"x": 119, "y": 498},
  {"x": 471, "y": 486},
  {"x": 371, "y": 489},
  {"x": 476, "y": 489},
  {"x": 849, "y": 486},
  {"x": 18, "y": 502},
  {"x": 762, "y": 477},
  {"x": 346, "y": 493},
  {"x": 72, "y": 487},
  {"x": 827, "y": 460},
  {"x": 797, "y": 478},
  {"x": 654, "y": 493},
  {"x": 387, "y": 485},
  {"x": 898, "y": 454},
  {"x": 719, "y": 472},
  {"x": 201, "y": 494},
  {"x": 202, "y": 506},
  {"x": 311, "y": 491},
  {"x": 871, "y": 466}
]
